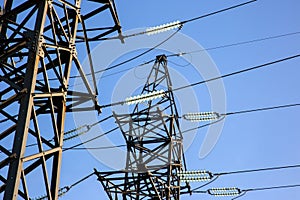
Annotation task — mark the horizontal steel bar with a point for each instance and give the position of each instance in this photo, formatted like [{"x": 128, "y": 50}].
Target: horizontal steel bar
[{"x": 44, "y": 153}]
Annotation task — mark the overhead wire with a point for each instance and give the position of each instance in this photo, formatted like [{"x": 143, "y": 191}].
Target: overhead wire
[
  {"x": 70, "y": 134},
  {"x": 81, "y": 180},
  {"x": 207, "y": 49},
  {"x": 185, "y": 131},
  {"x": 170, "y": 25},
  {"x": 201, "y": 186},
  {"x": 76, "y": 132},
  {"x": 151, "y": 49},
  {"x": 216, "y": 78},
  {"x": 62, "y": 191},
  {"x": 262, "y": 109},
  {"x": 239, "y": 72},
  {"x": 244, "y": 42},
  {"x": 242, "y": 112},
  {"x": 98, "y": 148},
  {"x": 218, "y": 174},
  {"x": 92, "y": 139},
  {"x": 271, "y": 188},
  {"x": 133, "y": 58},
  {"x": 243, "y": 191},
  {"x": 202, "y": 126},
  {"x": 257, "y": 170}
]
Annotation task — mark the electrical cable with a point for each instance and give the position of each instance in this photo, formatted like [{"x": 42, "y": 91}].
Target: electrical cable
[
  {"x": 209, "y": 49},
  {"x": 175, "y": 24},
  {"x": 62, "y": 191},
  {"x": 144, "y": 32},
  {"x": 98, "y": 148},
  {"x": 239, "y": 72},
  {"x": 68, "y": 188},
  {"x": 94, "y": 138},
  {"x": 202, "y": 126},
  {"x": 257, "y": 170},
  {"x": 215, "y": 178},
  {"x": 244, "y": 192},
  {"x": 271, "y": 188},
  {"x": 81, "y": 180},
  {"x": 242, "y": 112},
  {"x": 262, "y": 109},
  {"x": 139, "y": 55},
  {"x": 243, "y": 42},
  {"x": 216, "y": 78},
  {"x": 219, "y": 11},
  {"x": 133, "y": 58},
  {"x": 241, "y": 192},
  {"x": 250, "y": 190},
  {"x": 76, "y": 129}
]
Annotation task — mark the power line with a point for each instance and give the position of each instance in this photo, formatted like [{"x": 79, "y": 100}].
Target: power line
[
  {"x": 214, "y": 176},
  {"x": 62, "y": 191},
  {"x": 94, "y": 138},
  {"x": 144, "y": 32},
  {"x": 210, "y": 49},
  {"x": 242, "y": 112},
  {"x": 216, "y": 78},
  {"x": 175, "y": 24},
  {"x": 239, "y": 72},
  {"x": 257, "y": 170},
  {"x": 214, "y": 179},
  {"x": 185, "y": 131},
  {"x": 133, "y": 58},
  {"x": 219, "y": 11},
  {"x": 81, "y": 180},
  {"x": 243, "y": 191},
  {"x": 244, "y": 42},
  {"x": 262, "y": 109},
  {"x": 98, "y": 148},
  {"x": 271, "y": 188},
  {"x": 68, "y": 188},
  {"x": 73, "y": 133}
]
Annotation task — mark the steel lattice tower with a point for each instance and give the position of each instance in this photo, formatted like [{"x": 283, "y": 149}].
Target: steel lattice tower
[
  {"x": 154, "y": 145},
  {"x": 38, "y": 52}
]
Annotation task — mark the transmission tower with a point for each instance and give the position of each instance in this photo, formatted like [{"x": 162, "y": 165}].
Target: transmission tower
[
  {"x": 154, "y": 144},
  {"x": 38, "y": 52}
]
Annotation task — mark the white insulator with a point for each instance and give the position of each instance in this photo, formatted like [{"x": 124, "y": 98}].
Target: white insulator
[
  {"x": 163, "y": 28},
  {"x": 145, "y": 97}
]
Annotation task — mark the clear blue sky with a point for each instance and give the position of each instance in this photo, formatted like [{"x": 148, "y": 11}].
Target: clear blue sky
[{"x": 247, "y": 141}]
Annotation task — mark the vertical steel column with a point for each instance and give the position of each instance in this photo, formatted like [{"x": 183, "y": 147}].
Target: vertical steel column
[{"x": 25, "y": 111}]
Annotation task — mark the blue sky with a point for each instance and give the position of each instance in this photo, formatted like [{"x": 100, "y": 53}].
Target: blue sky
[{"x": 247, "y": 141}]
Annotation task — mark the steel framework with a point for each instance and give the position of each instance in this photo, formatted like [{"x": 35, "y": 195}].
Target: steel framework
[
  {"x": 38, "y": 52},
  {"x": 154, "y": 145}
]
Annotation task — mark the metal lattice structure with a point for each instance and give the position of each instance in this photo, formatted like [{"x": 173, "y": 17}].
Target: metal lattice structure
[
  {"x": 154, "y": 145},
  {"x": 38, "y": 52}
]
